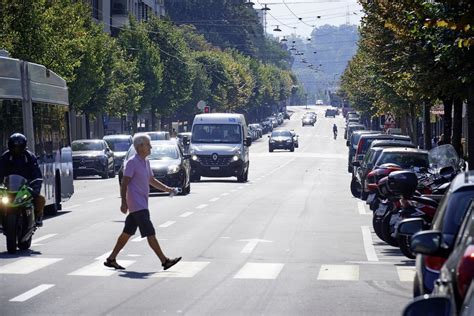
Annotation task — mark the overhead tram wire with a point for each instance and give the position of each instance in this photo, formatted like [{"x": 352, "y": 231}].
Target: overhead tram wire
[{"x": 300, "y": 19}]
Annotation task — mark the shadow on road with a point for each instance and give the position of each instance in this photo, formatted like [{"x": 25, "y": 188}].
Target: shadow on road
[{"x": 135, "y": 275}]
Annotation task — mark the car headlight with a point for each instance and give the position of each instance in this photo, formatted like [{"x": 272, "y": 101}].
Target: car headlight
[
  {"x": 288, "y": 140},
  {"x": 173, "y": 169},
  {"x": 272, "y": 141},
  {"x": 194, "y": 157},
  {"x": 235, "y": 158},
  {"x": 5, "y": 200}
]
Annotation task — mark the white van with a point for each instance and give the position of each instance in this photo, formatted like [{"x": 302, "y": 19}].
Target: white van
[{"x": 220, "y": 146}]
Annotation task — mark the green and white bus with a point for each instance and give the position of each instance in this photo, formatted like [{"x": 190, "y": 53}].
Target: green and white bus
[{"x": 34, "y": 102}]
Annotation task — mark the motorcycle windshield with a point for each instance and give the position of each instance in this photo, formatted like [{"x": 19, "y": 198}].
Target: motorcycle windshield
[
  {"x": 444, "y": 156},
  {"x": 14, "y": 182}
]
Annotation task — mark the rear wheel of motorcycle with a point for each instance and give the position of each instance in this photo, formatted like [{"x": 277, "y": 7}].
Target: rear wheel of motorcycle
[
  {"x": 355, "y": 188},
  {"x": 377, "y": 225},
  {"x": 386, "y": 231},
  {"x": 404, "y": 244},
  {"x": 10, "y": 226},
  {"x": 26, "y": 244}
]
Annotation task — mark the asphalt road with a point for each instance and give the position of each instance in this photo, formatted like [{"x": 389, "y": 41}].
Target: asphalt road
[{"x": 291, "y": 241}]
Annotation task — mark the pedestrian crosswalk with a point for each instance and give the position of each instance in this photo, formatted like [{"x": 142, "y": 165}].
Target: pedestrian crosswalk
[{"x": 247, "y": 270}]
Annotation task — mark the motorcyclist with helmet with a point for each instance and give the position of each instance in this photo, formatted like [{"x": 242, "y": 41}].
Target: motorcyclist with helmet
[{"x": 18, "y": 160}]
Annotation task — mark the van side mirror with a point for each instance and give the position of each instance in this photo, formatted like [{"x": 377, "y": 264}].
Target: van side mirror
[{"x": 248, "y": 141}]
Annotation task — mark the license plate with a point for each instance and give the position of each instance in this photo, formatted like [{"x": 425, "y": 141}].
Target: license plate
[
  {"x": 215, "y": 168},
  {"x": 370, "y": 198},
  {"x": 381, "y": 210},
  {"x": 82, "y": 167}
]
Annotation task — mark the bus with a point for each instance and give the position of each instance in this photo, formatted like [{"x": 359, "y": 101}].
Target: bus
[{"x": 34, "y": 102}]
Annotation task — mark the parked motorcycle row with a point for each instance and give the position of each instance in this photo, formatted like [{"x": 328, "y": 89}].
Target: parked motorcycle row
[{"x": 426, "y": 209}]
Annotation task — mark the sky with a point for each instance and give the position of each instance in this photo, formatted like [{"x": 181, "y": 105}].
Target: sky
[{"x": 300, "y": 16}]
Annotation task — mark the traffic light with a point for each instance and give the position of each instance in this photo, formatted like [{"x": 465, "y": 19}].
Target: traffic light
[{"x": 207, "y": 109}]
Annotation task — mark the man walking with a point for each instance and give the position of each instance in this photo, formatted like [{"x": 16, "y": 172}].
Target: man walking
[{"x": 134, "y": 192}]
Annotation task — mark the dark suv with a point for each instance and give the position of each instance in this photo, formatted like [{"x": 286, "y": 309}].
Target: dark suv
[
  {"x": 119, "y": 145},
  {"x": 92, "y": 157},
  {"x": 447, "y": 221}
]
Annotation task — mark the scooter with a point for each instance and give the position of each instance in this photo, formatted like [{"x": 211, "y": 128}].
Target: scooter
[{"x": 16, "y": 213}]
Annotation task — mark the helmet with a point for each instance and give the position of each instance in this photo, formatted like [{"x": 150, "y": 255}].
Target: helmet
[{"x": 17, "y": 140}]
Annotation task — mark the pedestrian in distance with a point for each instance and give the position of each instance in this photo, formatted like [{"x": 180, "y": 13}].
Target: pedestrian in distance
[{"x": 134, "y": 191}]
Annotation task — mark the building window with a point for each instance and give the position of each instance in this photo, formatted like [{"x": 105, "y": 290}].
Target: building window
[
  {"x": 95, "y": 9},
  {"x": 119, "y": 7}
]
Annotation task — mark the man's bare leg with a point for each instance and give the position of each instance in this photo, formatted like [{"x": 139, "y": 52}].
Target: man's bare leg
[
  {"x": 121, "y": 242},
  {"x": 153, "y": 242}
]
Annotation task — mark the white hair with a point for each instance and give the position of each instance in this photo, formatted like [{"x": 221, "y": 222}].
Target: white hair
[{"x": 140, "y": 139}]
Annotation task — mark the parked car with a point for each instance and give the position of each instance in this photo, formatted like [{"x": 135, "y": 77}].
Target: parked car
[
  {"x": 257, "y": 128},
  {"x": 447, "y": 222},
  {"x": 119, "y": 144},
  {"x": 92, "y": 157},
  {"x": 295, "y": 138},
  {"x": 156, "y": 135},
  {"x": 168, "y": 163},
  {"x": 281, "y": 139},
  {"x": 267, "y": 126},
  {"x": 353, "y": 142},
  {"x": 351, "y": 127}
]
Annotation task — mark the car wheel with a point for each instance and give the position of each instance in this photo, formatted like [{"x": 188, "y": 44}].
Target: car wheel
[
  {"x": 355, "y": 188},
  {"x": 270, "y": 149},
  {"x": 105, "y": 174},
  {"x": 292, "y": 148},
  {"x": 112, "y": 173},
  {"x": 187, "y": 189}
]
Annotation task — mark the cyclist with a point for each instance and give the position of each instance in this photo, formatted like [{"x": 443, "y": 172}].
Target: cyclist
[
  {"x": 334, "y": 130},
  {"x": 18, "y": 160}
]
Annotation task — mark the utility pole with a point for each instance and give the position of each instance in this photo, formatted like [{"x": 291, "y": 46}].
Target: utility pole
[{"x": 264, "y": 11}]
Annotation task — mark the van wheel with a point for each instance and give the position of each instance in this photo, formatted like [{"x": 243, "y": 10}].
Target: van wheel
[{"x": 243, "y": 177}]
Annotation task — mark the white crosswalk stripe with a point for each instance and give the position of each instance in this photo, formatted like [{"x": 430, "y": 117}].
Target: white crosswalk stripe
[
  {"x": 183, "y": 269},
  {"x": 98, "y": 269},
  {"x": 406, "y": 274},
  {"x": 339, "y": 272},
  {"x": 27, "y": 265},
  {"x": 265, "y": 271}
]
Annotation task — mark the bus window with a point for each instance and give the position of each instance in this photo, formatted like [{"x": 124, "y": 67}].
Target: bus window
[
  {"x": 11, "y": 121},
  {"x": 50, "y": 130}
]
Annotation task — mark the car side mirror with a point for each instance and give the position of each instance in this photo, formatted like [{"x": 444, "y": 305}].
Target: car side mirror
[
  {"x": 429, "y": 305},
  {"x": 427, "y": 243},
  {"x": 410, "y": 226},
  {"x": 347, "y": 143},
  {"x": 248, "y": 141}
]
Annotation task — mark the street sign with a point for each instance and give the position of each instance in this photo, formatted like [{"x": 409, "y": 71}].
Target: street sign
[{"x": 201, "y": 104}]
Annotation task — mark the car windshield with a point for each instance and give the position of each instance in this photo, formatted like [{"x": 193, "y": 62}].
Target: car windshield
[
  {"x": 159, "y": 152},
  {"x": 216, "y": 133},
  {"x": 451, "y": 211},
  {"x": 86, "y": 146},
  {"x": 281, "y": 133},
  {"x": 119, "y": 144},
  {"x": 158, "y": 136},
  {"x": 404, "y": 160}
]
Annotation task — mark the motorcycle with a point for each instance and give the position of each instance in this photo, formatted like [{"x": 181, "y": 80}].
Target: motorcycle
[{"x": 16, "y": 213}]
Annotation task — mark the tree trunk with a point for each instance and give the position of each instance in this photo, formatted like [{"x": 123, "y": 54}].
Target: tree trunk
[
  {"x": 153, "y": 118},
  {"x": 470, "y": 128},
  {"x": 448, "y": 121},
  {"x": 457, "y": 125},
  {"x": 427, "y": 125},
  {"x": 134, "y": 122},
  {"x": 88, "y": 125}
]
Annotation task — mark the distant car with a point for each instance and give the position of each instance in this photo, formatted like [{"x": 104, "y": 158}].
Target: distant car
[
  {"x": 92, "y": 157},
  {"x": 257, "y": 128},
  {"x": 156, "y": 135},
  {"x": 307, "y": 120},
  {"x": 295, "y": 138},
  {"x": 267, "y": 126},
  {"x": 168, "y": 163},
  {"x": 331, "y": 112},
  {"x": 319, "y": 102},
  {"x": 119, "y": 145},
  {"x": 281, "y": 139},
  {"x": 183, "y": 140}
]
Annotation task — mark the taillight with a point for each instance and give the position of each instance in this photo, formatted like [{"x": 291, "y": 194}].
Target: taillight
[
  {"x": 465, "y": 270},
  {"x": 372, "y": 186},
  {"x": 360, "y": 145},
  {"x": 434, "y": 264}
]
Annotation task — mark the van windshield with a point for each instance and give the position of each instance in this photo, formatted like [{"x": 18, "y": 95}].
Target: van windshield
[{"x": 216, "y": 133}]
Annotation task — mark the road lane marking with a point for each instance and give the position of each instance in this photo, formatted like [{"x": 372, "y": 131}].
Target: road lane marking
[
  {"x": 251, "y": 244},
  {"x": 183, "y": 269},
  {"x": 98, "y": 269},
  {"x": 27, "y": 265},
  {"x": 234, "y": 190},
  {"x": 406, "y": 274},
  {"x": 240, "y": 188},
  {"x": 167, "y": 224},
  {"x": 265, "y": 271},
  {"x": 133, "y": 255},
  {"x": 224, "y": 194},
  {"x": 201, "y": 206},
  {"x": 31, "y": 293},
  {"x": 214, "y": 199},
  {"x": 36, "y": 240},
  {"x": 95, "y": 200},
  {"x": 339, "y": 272},
  {"x": 368, "y": 244},
  {"x": 138, "y": 239},
  {"x": 186, "y": 214},
  {"x": 362, "y": 210}
]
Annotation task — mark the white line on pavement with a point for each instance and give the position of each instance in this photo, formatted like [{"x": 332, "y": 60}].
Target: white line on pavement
[
  {"x": 240, "y": 188},
  {"x": 72, "y": 206},
  {"x": 253, "y": 270},
  {"x": 406, "y": 274},
  {"x": 138, "y": 239},
  {"x": 361, "y": 206},
  {"x": 36, "y": 240},
  {"x": 224, "y": 194},
  {"x": 95, "y": 200},
  {"x": 167, "y": 224},
  {"x": 368, "y": 244},
  {"x": 186, "y": 214},
  {"x": 214, "y": 199},
  {"x": 33, "y": 292},
  {"x": 338, "y": 272},
  {"x": 234, "y": 190},
  {"x": 201, "y": 206},
  {"x": 27, "y": 265}
]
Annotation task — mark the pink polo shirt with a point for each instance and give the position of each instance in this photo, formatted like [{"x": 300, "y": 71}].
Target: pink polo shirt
[{"x": 138, "y": 189}]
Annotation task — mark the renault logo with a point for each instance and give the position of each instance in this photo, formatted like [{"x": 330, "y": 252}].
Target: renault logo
[{"x": 214, "y": 157}]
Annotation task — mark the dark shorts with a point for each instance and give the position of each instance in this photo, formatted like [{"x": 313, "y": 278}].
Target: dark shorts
[{"x": 140, "y": 219}]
